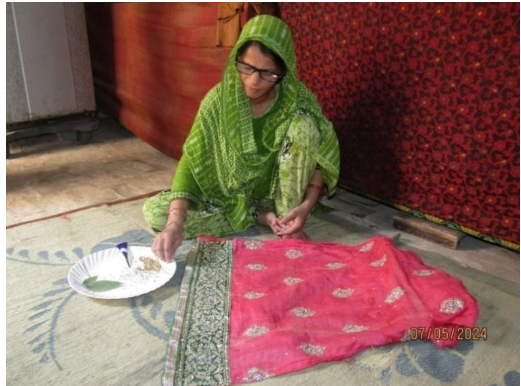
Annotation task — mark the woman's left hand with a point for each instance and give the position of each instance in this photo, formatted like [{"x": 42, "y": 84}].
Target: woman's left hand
[{"x": 294, "y": 221}]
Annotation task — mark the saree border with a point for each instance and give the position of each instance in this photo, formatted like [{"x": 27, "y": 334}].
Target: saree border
[{"x": 197, "y": 351}]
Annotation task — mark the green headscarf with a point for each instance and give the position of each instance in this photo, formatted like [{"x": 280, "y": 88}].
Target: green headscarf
[{"x": 221, "y": 150}]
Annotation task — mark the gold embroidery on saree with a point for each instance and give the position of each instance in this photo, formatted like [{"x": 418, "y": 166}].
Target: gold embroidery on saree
[
  {"x": 423, "y": 272},
  {"x": 256, "y": 330},
  {"x": 256, "y": 267},
  {"x": 351, "y": 328},
  {"x": 343, "y": 293},
  {"x": 335, "y": 265},
  {"x": 253, "y": 244},
  {"x": 314, "y": 350},
  {"x": 367, "y": 247},
  {"x": 253, "y": 295},
  {"x": 395, "y": 294},
  {"x": 294, "y": 254},
  {"x": 292, "y": 280},
  {"x": 452, "y": 305},
  {"x": 380, "y": 262},
  {"x": 302, "y": 312}
]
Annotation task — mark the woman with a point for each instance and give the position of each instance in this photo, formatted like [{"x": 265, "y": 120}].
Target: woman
[{"x": 259, "y": 151}]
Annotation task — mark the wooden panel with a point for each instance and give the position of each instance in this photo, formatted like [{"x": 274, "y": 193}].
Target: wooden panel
[
  {"x": 153, "y": 64},
  {"x": 427, "y": 230}
]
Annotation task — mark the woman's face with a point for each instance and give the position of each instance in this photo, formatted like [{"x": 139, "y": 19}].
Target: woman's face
[{"x": 255, "y": 87}]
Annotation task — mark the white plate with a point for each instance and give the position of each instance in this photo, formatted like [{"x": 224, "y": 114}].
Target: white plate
[{"x": 110, "y": 264}]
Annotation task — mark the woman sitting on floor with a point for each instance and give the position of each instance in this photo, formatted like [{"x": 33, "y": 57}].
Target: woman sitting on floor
[{"x": 259, "y": 151}]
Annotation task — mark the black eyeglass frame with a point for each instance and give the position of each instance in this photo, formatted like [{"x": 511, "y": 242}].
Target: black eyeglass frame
[{"x": 255, "y": 69}]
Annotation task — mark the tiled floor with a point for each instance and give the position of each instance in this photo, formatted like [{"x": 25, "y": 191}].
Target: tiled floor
[{"x": 53, "y": 174}]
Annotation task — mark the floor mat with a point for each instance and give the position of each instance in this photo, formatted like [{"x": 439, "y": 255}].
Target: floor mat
[{"x": 57, "y": 336}]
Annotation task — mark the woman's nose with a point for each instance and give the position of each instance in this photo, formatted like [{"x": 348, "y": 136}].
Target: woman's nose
[{"x": 255, "y": 77}]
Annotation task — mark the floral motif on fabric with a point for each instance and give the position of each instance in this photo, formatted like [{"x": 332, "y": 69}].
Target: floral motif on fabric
[
  {"x": 452, "y": 305},
  {"x": 423, "y": 272},
  {"x": 379, "y": 262},
  {"x": 256, "y": 267},
  {"x": 343, "y": 293},
  {"x": 256, "y": 330},
  {"x": 253, "y": 244},
  {"x": 256, "y": 375},
  {"x": 292, "y": 280},
  {"x": 302, "y": 312},
  {"x": 285, "y": 154},
  {"x": 311, "y": 349},
  {"x": 335, "y": 265},
  {"x": 395, "y": 294},
  {"x": 210, "y": 210},
  {"x": 302, "y": 112},
  {"x": 352, "y": 328},
  {"x": 253, "y": 295},
  {"x": 294, "y": 254},
  {"x": 367, "y": 247}
]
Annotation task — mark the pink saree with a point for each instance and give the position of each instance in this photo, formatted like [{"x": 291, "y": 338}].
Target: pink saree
[{"x": 252, "y": 309}]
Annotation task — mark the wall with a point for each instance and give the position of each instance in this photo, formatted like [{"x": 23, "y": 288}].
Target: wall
[
  {"x": 425, "y": 101},
  {"x": 153, "y": 63}
]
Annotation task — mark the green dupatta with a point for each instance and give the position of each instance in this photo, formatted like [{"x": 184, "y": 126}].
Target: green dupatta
[{"x": 221, "y": 151}]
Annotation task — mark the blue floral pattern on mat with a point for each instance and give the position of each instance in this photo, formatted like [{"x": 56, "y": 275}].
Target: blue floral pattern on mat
[
  {"x": 418, "y": 357},
  {"x": 443, "y": 364},
  {"x": 44, "y": 257},
  {"x": 45, "y": 319},
  {"x": 152, "y": 315},
  {"x": 511, "y": 379}
]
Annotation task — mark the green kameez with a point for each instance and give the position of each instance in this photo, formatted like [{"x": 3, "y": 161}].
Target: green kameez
[{"x": 233, "y": 162}]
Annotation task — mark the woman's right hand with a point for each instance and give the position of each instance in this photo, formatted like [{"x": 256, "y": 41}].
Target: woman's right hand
[{"x": 166, "y": 242}]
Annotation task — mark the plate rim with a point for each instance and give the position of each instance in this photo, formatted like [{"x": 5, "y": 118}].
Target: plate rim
[{"x": 106, "y": 294}]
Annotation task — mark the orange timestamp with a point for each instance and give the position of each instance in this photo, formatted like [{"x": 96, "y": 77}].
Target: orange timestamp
[{"x": 448, "y": 333}]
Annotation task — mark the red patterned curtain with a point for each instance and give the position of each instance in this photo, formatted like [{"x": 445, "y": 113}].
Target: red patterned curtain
[{"x": 425, "y": 101}]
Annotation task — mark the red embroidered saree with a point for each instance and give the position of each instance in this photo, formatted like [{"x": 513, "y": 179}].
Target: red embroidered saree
[{"x": 252, "y": 309}]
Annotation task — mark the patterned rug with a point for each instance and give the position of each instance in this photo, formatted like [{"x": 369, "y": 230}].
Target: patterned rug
[{"x": 56, "y": 336}]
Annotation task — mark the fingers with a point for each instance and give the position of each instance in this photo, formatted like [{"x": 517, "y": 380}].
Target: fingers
[
  {"x": 278, "y": 227},
  {"x": 275, "y": 229},
  {"x": 156, "y": 247},
  {"x": 289, "y": 230},
  {"x": 171, "y": 247},
  {"x": 175, "y": 245},
  {"x": 292, "y": 227},
  {"x": 284, "y": 220},
  {"x": 167, "y": 250},
  {"x": 163, "y": 247},
  {"x": 166, "y": 244}
]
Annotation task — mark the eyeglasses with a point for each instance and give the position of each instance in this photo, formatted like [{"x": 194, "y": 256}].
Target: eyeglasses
[{"x": 267, "y": 75}]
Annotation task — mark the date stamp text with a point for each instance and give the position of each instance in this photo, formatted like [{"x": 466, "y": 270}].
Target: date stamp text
[{"x": 446, "y": 333}]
